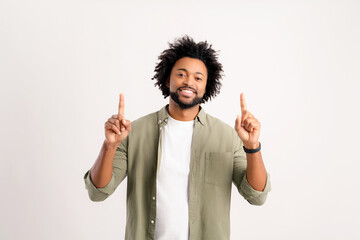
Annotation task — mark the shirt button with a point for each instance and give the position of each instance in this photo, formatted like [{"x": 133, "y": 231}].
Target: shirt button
[
  {"x": 152, "y": 221},
  {"x": 159, "y": 121},
  {"x": 153, "y": 198}
]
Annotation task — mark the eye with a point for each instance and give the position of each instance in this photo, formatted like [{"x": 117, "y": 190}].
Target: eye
[
  {"x": 180, "y": 74},
  {"x": 199, "y": 79}
]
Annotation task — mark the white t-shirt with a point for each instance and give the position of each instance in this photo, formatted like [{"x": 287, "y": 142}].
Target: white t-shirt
[{"x": 172, "y": 206}]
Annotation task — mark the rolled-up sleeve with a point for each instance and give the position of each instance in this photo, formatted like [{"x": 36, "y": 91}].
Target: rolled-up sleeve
[
  {"x": 118, "y": 175},
  {"x": 253, "y": 196}
]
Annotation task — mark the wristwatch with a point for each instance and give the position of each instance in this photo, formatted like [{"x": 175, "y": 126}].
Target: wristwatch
[{"x": 253, "y": 150}]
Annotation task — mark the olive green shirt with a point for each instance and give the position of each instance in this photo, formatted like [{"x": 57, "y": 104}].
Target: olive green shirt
[{"x": 217, "y": 161}]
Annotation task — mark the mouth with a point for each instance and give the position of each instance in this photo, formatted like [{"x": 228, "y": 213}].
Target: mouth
[{"x": 186, "y": 91}]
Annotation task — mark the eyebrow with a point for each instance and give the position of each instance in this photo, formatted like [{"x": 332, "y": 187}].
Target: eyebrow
[{"x": 186, "y": 71}]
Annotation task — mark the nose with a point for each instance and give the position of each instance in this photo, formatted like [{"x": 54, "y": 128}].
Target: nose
[{"x": 189, "y": 80}]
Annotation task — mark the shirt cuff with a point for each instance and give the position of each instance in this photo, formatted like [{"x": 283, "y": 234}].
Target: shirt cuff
[
  {"x": 253, "y": 196},
  {"x": 98, "y": 194}
]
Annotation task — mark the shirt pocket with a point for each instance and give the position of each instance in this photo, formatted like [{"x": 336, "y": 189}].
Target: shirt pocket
[{"x": 218, "y": 168}]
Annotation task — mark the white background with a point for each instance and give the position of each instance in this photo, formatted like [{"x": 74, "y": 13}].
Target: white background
[{"x": 64, "y": 63}]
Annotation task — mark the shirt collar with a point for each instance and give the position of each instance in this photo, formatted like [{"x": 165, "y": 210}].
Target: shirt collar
[{"x": 163, "y": 115}]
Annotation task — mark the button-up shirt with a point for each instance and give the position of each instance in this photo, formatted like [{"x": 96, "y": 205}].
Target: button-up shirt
[{"x": 217, "y": 161}]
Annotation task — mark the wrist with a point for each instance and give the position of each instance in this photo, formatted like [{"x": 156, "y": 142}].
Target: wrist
[
  {"x": 110, "y": 146},
  {"x": 251, "y": 145},
  {"x": 252, "y": 150}
]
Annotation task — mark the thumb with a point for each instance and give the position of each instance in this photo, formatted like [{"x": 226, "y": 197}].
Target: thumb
[{"x": 127, "y": 124}]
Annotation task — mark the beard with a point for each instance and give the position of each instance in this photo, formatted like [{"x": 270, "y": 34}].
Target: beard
[{"x": 175, "y": 96}]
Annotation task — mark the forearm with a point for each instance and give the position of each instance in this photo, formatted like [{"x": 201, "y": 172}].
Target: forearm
[
  {"x": 101, "y": 171},
  {"x": 255, "y": 171}
]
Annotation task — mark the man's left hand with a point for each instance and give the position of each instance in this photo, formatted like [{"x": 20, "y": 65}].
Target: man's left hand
[{"x": 247, "y": 126}]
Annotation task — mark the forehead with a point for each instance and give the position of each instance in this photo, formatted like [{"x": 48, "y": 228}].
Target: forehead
[{"x": 190, "y": 64}]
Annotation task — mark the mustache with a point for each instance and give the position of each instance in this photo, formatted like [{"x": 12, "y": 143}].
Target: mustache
[{"x": 180, "y": 88}]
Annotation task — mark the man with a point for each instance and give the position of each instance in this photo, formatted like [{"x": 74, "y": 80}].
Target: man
[{"x": 180, "y": 162}]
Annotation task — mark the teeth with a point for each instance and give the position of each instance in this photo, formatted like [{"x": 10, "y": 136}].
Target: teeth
[{"x": 187, "y": 91}]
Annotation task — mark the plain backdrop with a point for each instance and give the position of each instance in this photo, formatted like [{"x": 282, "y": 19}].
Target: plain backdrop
[{"x": 64, "y": 63}]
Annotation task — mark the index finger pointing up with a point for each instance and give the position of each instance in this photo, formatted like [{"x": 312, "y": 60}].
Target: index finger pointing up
[
  {"x": 242, "y": 103},
  {"x": 121, "y": 106}
]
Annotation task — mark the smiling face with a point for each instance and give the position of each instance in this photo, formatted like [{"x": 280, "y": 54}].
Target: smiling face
[{"x": 187, "y": 82}]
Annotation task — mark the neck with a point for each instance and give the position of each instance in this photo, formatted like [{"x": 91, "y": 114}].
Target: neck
[{"x": 180, "y": 114}]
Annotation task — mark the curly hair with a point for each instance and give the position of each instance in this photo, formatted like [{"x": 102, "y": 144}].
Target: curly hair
[{"x": 186, "y": 47}]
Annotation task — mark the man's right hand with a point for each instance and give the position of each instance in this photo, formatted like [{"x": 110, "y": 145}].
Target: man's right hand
[{"x": 117, "y": 127}]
